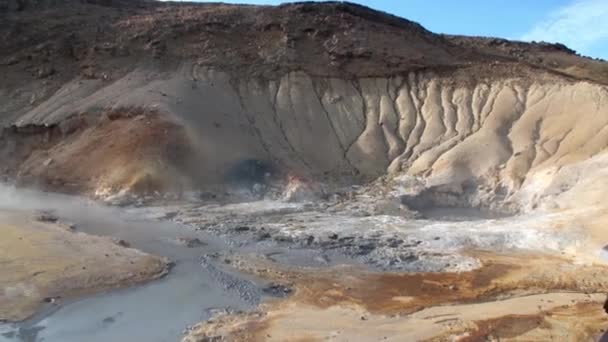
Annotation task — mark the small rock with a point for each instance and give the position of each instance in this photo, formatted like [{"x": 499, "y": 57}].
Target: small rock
[
  {"x": 408, "y": 258},
  {"x": 170, "y": 215},
  {"x": 310, "y": 239},
  {"x": 394, "y": 243},
  {"x": 366, "y": 248},
  {"x": 190, "y": 242},
  {"x": 122, "y": 243},
  {"x": 109, "y": 320},
  {"x": 277, "y": 290},
  {"x": 47, "y": 216},
  {"x": 242, "y": 229},
  {"x": 51, "y": 300}
]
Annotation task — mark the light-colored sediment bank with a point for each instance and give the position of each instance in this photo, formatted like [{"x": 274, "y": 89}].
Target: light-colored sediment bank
[
  {"x": 531, "y": 318},
  {"x": 41, "y": 262}
]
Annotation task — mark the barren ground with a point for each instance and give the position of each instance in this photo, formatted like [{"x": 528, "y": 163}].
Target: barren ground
[{"x": 315, "y": 139}]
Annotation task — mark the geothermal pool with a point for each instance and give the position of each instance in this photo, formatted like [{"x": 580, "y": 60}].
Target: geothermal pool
[{"x": 200, "y": 284}]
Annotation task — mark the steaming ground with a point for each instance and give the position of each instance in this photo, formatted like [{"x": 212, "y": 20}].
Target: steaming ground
[
  {"x": 219, "y": 250},
  {"x": 473, "y": 257},
  {"x": 397, "y": 242},
  {"x": 45, "y": 260},
  {"x": 187, "y": 294},
  {"x": 134, "y": 102}
]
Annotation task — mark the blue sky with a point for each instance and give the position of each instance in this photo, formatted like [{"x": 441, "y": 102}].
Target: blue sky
[{"x": 580, "y": 24}]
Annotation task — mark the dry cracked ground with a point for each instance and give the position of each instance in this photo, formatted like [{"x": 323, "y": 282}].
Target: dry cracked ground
[{"x": 328, "y": 128}]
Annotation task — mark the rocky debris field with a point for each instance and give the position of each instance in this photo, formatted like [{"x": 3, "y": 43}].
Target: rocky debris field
[{"x": 346, "y": 262}]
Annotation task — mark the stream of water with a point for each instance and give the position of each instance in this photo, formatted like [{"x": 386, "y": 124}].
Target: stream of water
[
  {"x": 195, "y": 287},
  {"x": 158, "y": 311}
]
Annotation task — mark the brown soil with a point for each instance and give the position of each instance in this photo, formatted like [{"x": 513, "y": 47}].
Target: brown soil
[
  {"x": 125, "y": 149},
  {"x": 403, "y": 293},
  {"x": 357, "y": 296}
]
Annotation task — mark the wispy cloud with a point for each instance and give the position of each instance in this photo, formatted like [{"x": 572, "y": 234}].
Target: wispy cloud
[{"x": 580, "y": 25}]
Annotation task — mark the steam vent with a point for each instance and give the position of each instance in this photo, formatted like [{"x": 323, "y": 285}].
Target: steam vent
[{"x": 303, "y": 172}]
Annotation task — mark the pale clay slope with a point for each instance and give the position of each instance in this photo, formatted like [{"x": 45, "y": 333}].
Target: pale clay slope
[
  {"x": 525, "y": 142},
  {"x": 433, "y": 127}
]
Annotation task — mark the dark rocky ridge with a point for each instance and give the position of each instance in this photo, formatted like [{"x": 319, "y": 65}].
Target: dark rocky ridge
[{"x": 324, "y": 39}]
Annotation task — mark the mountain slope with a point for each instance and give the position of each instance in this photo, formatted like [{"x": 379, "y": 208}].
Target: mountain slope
[
  {"x": 114, "y": 97},
  {"x": 326, "y": 90}
]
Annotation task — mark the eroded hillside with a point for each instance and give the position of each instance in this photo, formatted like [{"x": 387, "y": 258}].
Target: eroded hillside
[{"x": 245, "y": 80}]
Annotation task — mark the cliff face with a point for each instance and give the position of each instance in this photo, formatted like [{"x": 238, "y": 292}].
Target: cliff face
[{"x": 330, "y": 90}]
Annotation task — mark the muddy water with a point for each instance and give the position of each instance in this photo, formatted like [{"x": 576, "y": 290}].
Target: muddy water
[
  {"x": 158, "y": 311},
  {"x": 200, "y": 283}
]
